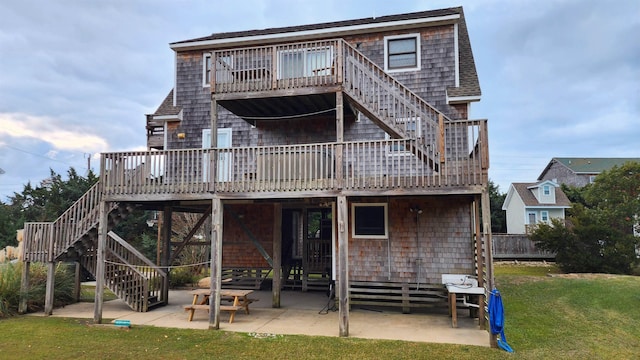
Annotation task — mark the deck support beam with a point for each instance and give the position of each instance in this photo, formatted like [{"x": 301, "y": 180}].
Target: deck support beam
[
  {"x": 216, "y": 262},
  {"x": 167, "y": 214},
  {"x": 480, "y": 261},
  {"x": 277, "y": 254},
  {"x": 100, "y": 261},
  {"x": 343, "y": 265}
]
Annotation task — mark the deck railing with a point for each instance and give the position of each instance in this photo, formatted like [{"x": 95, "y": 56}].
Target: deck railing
[
  {"x": 38, "y": 238},
  {"x": 62, "y": 233},
  {"x": 277, "y": 67},
  {"x": 131, "y": 275},
  {"x": 358, "y": 165}
]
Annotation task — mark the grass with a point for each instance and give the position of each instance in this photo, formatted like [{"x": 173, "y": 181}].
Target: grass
[
  {"x": 88, "y": 294},
  {"x": 593, "y": 317}
]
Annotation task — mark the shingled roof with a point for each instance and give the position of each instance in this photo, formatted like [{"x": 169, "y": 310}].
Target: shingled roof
[
  {"x": 524, "y": 191},
  {"x": 587, "y": 165},
  {"x": 469, "y": 85},
  {"x": 167, "y": 108}
]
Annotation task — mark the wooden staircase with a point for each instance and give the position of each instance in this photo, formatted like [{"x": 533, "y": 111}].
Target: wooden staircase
[
  {"x": 393, "y": 107},
  {"x": 74, "y": 237}
]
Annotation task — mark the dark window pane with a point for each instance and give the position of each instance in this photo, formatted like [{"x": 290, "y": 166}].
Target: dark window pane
[{"x": 369, "y": 220}]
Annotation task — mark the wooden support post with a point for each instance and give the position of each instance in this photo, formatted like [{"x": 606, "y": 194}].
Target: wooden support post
[
  {"x": 488, "y": 258},
  {"x": 217, "y": 217},
  {"x": 213, "y": 156},
  {"x": 167, "y": 213},
  {"x": 274, "y": 67},
  {"x": 340, "y": 61},
  {"x": 50, "y": 287},
  {"x": 339, "y": 139},
  {"x": 76, "y": 281},
  {"x": 343, "y": 264},
  {"x": 51, "y": 275},
  {"x": 479, "y": 260},
  {"x": 441, "y": 147},
  {"x": 24, "y": 287},
  {"x": 100, "y": 261},
  {"x": 277, "y": 254}
]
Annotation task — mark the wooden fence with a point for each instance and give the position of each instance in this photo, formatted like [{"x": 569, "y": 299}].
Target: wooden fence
[{"x": 517, "y": 247}]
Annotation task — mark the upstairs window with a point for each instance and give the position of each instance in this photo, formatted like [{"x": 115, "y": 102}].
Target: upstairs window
[
  {"x": 305, "y": 62},
  {"x": 206, "y": 69},
  {"x": 546, "y": 190},
  {"x": 224, "y": 69},
  {"x": 402, "y": 53}
]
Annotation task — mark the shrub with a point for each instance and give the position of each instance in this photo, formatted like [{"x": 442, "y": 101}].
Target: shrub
[
  {"x": 9, "y": 288},
  {"x": 588, "y": 244},
  {"x": 10, "y": 277}
]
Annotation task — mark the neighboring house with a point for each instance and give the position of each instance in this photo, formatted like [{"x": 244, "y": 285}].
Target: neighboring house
[
  {"x": 579, "y": 171},
  {"x": 528, "y": 204},
  {"x": 328, "y": 152}
]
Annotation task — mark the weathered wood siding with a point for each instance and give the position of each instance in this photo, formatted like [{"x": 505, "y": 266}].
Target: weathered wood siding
[
  {"x": 445, "y": 243},
  {"x": 437, "y": 70},
  {"x": 563, "y": 175},
  {"x": 436, "y": 74}
]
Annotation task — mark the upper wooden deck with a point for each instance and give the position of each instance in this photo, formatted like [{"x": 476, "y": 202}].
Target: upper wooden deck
[{"x": 443, "y": 156}]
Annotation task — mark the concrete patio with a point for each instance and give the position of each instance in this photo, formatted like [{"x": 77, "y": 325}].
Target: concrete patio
[{"x": 301, "y": 313}]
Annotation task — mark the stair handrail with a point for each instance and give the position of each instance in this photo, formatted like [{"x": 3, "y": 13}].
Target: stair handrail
[
  {"x": 383, "y": 75},
  {"x": 79, "y": 218},
  {"x": 150, "y": 275},
  {"x": 137, "y": 253}
]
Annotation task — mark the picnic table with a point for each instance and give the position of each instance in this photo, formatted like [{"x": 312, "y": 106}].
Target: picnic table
[{"x": 239, "y": 297}]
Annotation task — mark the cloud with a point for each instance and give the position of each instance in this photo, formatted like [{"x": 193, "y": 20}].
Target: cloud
[
  {"x": 559, "y": 78},
  {"x": 51, "y": 131}
]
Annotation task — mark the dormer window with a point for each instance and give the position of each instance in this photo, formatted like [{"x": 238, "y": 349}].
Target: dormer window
[
  {"x": 546, "y": 190},
  {"x": 402, "y": 53}
]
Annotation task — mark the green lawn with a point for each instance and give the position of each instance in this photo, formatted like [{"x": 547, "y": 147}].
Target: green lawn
[{"x": 596, "y": 317}]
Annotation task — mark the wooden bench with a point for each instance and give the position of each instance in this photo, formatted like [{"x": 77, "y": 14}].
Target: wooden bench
[
  {"x": 230, "y": 308},
  {"x": 396, "y": 294},
  {"x": 244, "y": 305},
  {"x": 243, "y": 278}
]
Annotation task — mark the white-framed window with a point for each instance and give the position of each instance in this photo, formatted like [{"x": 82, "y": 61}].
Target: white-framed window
[
  {"x": 592, "y": 179},
  {"x": 206, "y": 69},
  {"x": 369, "y": 221},
  {"x": 402, "y": 52},
  {"x": 546, "y": 190},
  {"x": 305, "y": 62},
  {"x": 544, "y": 216},
  {"x": 224, "y": 69},
  {"x": 413, "y": 128},
  {"x": 532, "y": 218}
]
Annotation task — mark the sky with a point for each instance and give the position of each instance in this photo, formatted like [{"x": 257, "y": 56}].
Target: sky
[{"x": 559, "y": 78}]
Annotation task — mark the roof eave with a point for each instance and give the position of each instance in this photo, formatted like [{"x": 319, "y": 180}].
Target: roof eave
[{"x": 315, "y": 33}]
